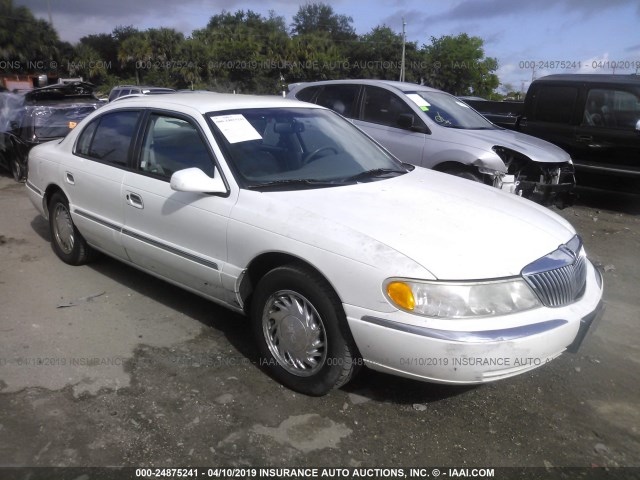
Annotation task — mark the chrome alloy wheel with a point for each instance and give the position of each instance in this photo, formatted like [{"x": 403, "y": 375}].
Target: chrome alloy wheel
[
  {"x": 294, "y": 333},
  {"x": 63, "y": 228}
]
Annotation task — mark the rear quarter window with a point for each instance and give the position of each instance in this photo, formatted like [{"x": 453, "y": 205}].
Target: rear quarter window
[{"x": 307, "y": 94}]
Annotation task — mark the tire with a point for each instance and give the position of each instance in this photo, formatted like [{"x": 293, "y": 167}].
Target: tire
[
  {"x": 18, "y": 170},
  {"x": 301, "y": 330},
  {"x": 67, "y": 242},
  {"x": 464, "y": 173}
]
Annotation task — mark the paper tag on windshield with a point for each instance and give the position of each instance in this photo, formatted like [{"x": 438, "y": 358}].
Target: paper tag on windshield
[
  {"x": 462, "y": 104},
  {"x": 236, "y": 128},
  {"x": 418, "y": 100}
]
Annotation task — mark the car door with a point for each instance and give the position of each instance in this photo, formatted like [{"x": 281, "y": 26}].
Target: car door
[
  {"x": 606, "y": 138},
  {"x": 379, "y": 115},
  {"x": 92, "y": 178},
  {"x": 553, "y": 117},
  {"x": 179, "y": 236}
]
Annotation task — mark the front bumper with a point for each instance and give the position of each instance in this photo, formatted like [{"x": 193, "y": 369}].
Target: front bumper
[
  {"x": 473, "y": 351},
  {"x": 561, "y": 195}
]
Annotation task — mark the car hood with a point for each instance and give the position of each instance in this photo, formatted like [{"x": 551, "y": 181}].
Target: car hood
[
  {"x": 455, "y": 228},
  {"x": 536, "y": 149}
]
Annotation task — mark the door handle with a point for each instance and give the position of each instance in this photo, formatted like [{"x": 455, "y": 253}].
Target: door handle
[
  {"x": 135, "y": 200},
  {"x": 584, "y": 138},
  {"x": 68, "y": 177}
]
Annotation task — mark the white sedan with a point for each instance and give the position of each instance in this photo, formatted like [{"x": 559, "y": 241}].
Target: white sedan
[{"x": 341, "y": 255}]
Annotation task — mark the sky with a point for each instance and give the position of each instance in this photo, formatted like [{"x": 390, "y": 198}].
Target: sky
[{"x": 529, "y": 38}]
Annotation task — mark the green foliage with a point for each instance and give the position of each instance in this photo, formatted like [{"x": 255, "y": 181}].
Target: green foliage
[
  {"x": 26, "y": 43},
  {"x": 88, "y": 64},
  {"x": 458, "y": 66},
  {"x": 247, "y": 52},
  {"x": 378, "y": 54},
  {"x": 320, "y": 17}
]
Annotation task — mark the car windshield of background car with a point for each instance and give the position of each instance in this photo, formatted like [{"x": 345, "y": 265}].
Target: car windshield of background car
[{"x": 448, "y": 111}]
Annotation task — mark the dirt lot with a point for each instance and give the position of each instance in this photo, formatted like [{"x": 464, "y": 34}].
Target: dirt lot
[{"x": 103, "y": 365}]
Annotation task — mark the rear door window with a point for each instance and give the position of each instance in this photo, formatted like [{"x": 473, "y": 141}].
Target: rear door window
[
  {"x": 307, "y": 94},
  {"x": 555, "y": 104},
  {"x": 339, "y": 98},
  {"x": 108, "y": 139}
]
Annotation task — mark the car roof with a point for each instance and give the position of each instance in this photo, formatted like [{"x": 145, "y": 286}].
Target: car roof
[
  {"x": 62, "y": 92},
  {"x": 590, "y": 78},
  {"x": 205, "y": 102},
  {"x": 401, "y": 86},
  {"x": 145, "y": 87}
]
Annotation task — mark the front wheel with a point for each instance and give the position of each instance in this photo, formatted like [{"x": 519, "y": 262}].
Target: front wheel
[
  {"x": 67, "y": 242},
  {"x": 301, "y": 330},
  {"x": 464, "y": 173}
]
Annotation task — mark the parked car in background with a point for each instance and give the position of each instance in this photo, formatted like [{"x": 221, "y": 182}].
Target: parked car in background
[
  {"x": 595, "y": 118},
  {"x": 427, "y": 127},
  {"x": 340, "y": 254},
  {"x": 41, "y": 115},
  {"x": 123, "y": 90}
]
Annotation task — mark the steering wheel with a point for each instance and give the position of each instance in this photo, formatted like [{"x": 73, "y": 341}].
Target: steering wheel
[{"x": 310, "y": 156}]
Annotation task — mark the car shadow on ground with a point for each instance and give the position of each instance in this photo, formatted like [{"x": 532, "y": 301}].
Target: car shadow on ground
[
  {"x": 236, "y": 329},
  {"x": 621, "y": 195},
  {"x": 619, "y": 202}
]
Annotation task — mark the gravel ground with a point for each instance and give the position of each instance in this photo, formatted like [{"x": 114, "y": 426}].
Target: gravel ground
[{"x": 103, "y": 365}]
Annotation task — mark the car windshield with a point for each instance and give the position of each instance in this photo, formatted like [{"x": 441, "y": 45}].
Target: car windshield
[
  {"x": 449, "y": 111},
  {"x": 56, "y": 122},
  {"x": 299, "y": 148}
]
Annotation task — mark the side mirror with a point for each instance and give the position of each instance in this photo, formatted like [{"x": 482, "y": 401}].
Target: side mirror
[
  {"x": 406, "y": 121},
  {"x": 195, "y": 180},
  {"x": 638, "y": 126}
]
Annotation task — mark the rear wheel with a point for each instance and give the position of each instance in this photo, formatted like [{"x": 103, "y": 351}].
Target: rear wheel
[
  {"x": 301, "y": 330},
  {"x": 67, "y": 242},
  {"x": 18, "y": 170}
]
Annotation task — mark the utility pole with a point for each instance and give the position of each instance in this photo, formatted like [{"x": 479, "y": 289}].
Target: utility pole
[
  {"x": 403, "y": 42},
  {"x": 50, "y": 17}
]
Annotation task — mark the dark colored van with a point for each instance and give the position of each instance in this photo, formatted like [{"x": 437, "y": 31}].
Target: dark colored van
[{"x": 595, "y": 118}]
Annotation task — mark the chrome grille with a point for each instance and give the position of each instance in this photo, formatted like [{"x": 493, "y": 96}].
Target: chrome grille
[{"x": 559, "y": 278}]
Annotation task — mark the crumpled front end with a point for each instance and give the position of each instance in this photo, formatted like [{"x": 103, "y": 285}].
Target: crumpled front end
[{"x": 546, "y": 183}]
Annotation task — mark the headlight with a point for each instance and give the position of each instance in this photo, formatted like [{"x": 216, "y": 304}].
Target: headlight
[{"x": 461, "y": 300}]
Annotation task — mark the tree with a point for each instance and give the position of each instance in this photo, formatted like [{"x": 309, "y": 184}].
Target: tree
[
  {"x": 245, "y": 50},
  {"x": 164, "y": 43},
  {"x": 106, "y": 47},
  {"x": 135, "y": 50},
  {"x": 458, "y": 66},
  {"x": 193, "y": 61},
  {"x": 27, "y": 45},
  {"x": 320, "y": 17},
  {"x": 87, "y": 63},
  {"x": 313, "y": 56},
  {"x": 378, "y": 54}
]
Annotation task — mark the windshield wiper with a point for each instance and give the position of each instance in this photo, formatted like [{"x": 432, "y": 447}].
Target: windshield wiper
[
  {"x": 305, "y": 182},
  {"x": 376, "y": 172}
]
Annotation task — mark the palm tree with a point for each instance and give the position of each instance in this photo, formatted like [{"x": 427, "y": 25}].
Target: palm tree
[{"x": 136, "y": 50}]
